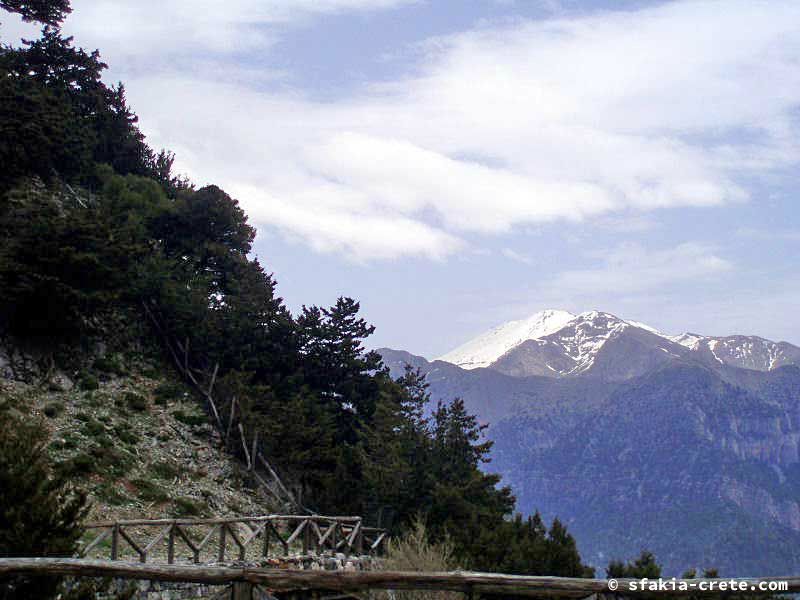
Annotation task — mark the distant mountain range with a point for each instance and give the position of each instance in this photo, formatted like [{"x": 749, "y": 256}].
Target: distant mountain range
[
  {"x": 556, "y": 343},
  {"x": 686, "y": 445}
]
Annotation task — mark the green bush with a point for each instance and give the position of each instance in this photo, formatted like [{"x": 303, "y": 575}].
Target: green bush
[
  {"x": 110, "y": 364},
  {"x": 110, "y": 494},
  {"x": 167, "y": 391},
  {"x": 149, "y": 491},
  {"x": 126, "y": 435},
  {"x": 188, "y": 419},
  {"x": 53, "y": 409},
  {"x": 187, "y": 507},
  {"x": 93, "y": 427},
  {"x": 110, "y": 460},
  {"x": 81, "y": 464},
  {"x": 41, "y": 512},
  {"x": 135, "y": 401},
  {"x": 164, "y": 470},
  {"x": 87, "y": 381}
]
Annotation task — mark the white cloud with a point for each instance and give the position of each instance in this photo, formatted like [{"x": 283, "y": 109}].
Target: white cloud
[
  {"x": 570, "y": 119},
  {"x": 633, "y": 269},
  {"x": 358, "y": 235},
  {"x": 512, "y": 254},
  {"x": 154, "y": 32}
]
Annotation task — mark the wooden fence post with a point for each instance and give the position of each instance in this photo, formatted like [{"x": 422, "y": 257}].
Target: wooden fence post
[
  {"x": 222, "y": 541},
  {"x": 242, "y": 590},
  {"x": 171, "y": 545},
  {"x": 115, "y": 541}
]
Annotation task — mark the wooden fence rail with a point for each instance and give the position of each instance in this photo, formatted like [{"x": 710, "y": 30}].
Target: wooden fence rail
[
  {"x": 285, "y": 580},
  {"x": 303, "y": 534}
]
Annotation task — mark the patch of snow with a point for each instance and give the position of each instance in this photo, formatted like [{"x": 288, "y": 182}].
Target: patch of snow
[
  {"x": 689, "y": 340},
  {"x": 646, "y": 327},
  {"x": 488, "y": 347}
]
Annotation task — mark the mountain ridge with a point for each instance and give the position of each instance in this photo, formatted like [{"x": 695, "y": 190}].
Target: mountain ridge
[
  {"x": 558, "y": 343},
  {"x": 623, "y": 432}
]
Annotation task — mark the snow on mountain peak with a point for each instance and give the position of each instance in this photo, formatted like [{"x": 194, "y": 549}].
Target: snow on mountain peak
[
  {"x": 564, "y": 344},
  {"x": 488, "y": 347},
  {"x": 689, "y": 340}
]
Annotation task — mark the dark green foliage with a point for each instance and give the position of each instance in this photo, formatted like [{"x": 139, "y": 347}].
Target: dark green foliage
[
  {"x": 87, "y": 381},
  {"x": 642, "y": 566},
  {"x": 110, "y": 364},
  {"x": 187, "y": 507},
  {"x": 149, "y": 491},
  {"x": 80, "y": 464},
  {"x": 51, "y": 12},
  {"x": 135, "y": 401},
  {"x": 93, "y": 427},
  {"x": 189, "y": 419},
  {"x": 53, "y": 409},
  {"x": 125, "y": 435},
  {"x": 164, "y": 470},
  {"x": 104, "y": 459},
  {"x": 40, "y": 515},
  {"x": 167, "y": 391},
  {"x": 526, "y": 546}
]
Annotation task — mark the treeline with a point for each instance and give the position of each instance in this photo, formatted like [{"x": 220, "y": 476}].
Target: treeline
[{"x": 93, "y": 221}]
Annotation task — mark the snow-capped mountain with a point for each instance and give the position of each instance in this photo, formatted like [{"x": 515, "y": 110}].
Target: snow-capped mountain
[
  {"x": 594, "y": 416},
  {"x": 556, "y": 343},
  {"x": 743, "y": 351},
  {"x": 488, "y": 347}
]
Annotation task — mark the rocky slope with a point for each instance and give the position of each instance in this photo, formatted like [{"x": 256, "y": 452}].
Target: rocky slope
[{"x": 132, "y": 437}]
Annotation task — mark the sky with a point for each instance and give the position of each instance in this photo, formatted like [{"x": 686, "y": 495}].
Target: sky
[{"x": 457, "y": 164}]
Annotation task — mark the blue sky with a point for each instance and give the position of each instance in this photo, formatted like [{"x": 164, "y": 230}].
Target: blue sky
[{"x": 454, "y": 165}]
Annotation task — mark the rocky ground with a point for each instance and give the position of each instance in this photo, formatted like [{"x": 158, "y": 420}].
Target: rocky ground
[{"x": 138, "y": 443}]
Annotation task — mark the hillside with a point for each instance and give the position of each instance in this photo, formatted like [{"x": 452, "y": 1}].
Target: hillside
[{"x": 136, "y": 441}]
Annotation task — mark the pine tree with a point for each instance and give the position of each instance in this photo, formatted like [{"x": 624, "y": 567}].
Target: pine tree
[
  {"x": 40, "y": 513},
  {"x": 51, "y": 12}
]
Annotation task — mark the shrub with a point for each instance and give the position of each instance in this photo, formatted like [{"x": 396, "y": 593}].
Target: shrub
[
  {"x": 110, "y": 494},
  {"x": 80, "y": 464},
  {"x": 126, "y": 435},
  {"x": 110, "y": 460},
  {"x": 188, "y": 419},
  {"x": 167, "y": 391},
  {"x": 149, "y": 491},
  {"x": 110, "y": 364},
  {"x": 41, "y": 511},
  {"x": 135, "y": 401},
  {"x": 93, "y": 427},
  {"x": 87, "y": 381},
  {"x": 413, "y": 551},
  {"x": 53, "y": 409},
  {"x": 187, "y": 507},
  {"x": 164, "y": 470}
]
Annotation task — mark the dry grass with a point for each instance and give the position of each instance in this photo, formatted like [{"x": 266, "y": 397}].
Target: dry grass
[{"x": 415, "y": 552}]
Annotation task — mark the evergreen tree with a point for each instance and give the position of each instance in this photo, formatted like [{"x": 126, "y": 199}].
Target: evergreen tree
[
  {"x": 40, "y": 514},
  {"x": 51, "y": 12},
  {"x": 642, "y": 566}
]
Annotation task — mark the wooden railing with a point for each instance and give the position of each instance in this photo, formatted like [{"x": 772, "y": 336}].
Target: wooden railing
[
  {"x": 285, "y": 580},
  {"x": 237, "y": 538}
]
